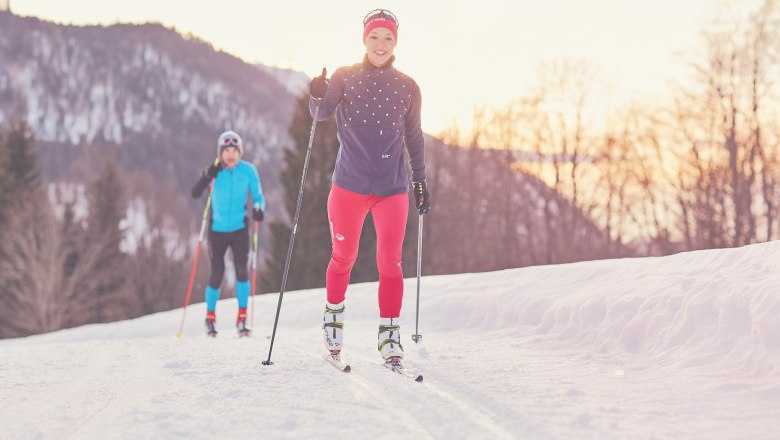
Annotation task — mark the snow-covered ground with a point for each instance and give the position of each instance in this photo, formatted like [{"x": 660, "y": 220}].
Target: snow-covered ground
[{"x": 685, "y": 346}]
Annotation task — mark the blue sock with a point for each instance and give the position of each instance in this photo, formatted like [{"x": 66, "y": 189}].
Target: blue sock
[
  {"x": 212, "y": 296},
  {"x": 242, "y": 293}
]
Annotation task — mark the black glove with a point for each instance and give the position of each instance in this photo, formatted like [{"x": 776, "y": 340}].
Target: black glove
[
  {"x": 212, "y": 170},
  {"x": 421, "y": 197},
  {"x": 257, "y": 214},
  {"x": 319, "y": 86}
]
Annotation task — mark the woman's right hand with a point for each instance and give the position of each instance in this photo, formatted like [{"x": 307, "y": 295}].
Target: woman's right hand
[{"x": 319, "y": 86}]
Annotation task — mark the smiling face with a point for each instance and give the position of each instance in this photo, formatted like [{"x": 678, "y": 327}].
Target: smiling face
[{"x": 380, "y": 43}]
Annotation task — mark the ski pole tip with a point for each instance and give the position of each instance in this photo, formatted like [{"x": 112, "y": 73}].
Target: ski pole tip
[{"x": 267, "y": 363}]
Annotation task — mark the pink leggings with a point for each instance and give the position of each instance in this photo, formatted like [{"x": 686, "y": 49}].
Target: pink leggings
[{"x": 346, "y": 212}]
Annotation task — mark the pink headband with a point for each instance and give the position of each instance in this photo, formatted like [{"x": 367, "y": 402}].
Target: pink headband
[{"x": 380, "y": 21}]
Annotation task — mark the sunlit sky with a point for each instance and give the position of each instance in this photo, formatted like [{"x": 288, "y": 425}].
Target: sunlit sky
[{"x": 462, "y": 54}]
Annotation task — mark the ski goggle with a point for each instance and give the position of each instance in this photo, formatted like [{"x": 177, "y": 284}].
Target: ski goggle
[
  {"x": 377, "y": 13},
  {"x": 229, "y": 141}
]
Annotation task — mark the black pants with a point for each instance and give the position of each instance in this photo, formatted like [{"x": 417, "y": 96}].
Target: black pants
[{"x": 219, "y": 242}]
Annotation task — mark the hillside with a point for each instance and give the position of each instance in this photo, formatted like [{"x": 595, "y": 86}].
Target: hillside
[
  {"x": 151, "y": 96},
  {"x": 684, "y": 346}
]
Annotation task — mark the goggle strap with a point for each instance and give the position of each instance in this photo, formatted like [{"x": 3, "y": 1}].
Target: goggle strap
[{"x": 381, "y": 12}]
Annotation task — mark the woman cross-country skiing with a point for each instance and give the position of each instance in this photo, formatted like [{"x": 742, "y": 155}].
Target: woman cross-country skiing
[
  {"x": 234, "y": 180},
  {"x": 377, "y": 111}
]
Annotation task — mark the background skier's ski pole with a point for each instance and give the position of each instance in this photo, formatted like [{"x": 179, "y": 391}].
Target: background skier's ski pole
[
  {"x": 195, "y": 262},
  {"x": 254, "y": 274},
  {"x": 416, "y": 336},
  {"x": 294, "y": 228}
]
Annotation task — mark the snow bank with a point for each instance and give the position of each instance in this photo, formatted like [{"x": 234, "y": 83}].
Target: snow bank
[{"x": 684, "y": 346}]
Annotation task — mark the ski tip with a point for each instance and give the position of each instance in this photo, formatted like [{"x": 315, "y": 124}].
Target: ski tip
[{"x": 419, "y": 378}]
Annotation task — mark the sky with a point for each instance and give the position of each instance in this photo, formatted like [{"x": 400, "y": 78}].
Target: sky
[
  {"x": 685, "y": 346},
  {"x": 463, "y": 55}
]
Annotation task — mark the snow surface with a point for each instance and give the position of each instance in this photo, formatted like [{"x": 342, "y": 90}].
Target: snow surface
[{"x": 684, "y": 346}]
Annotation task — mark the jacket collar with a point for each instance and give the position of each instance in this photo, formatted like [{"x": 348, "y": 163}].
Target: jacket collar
[{"x": 368, "y": 66}]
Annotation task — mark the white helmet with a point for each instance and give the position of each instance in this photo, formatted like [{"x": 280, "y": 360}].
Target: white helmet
[{"x": 230, "y": 139}]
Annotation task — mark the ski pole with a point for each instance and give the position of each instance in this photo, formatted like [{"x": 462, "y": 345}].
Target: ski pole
[
  {"x": 294, "y": 228},
  {"x": 417, "y": 336},
  {"x": 195, "y": 262},
  {"x": 254, "y": 272}
]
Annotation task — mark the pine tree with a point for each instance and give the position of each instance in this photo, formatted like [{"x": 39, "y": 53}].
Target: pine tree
[
  {"x": 5, "y": 179},
  {"x": 72, "y": 235},
  {"x": 19, "y": 172},
  {"x": 105, "y": 232},
  {"x": 22, "y": 157},
  {"x": 312, "y": 242}
]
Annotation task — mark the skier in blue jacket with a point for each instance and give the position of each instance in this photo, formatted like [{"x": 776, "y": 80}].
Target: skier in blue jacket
[{"x": 234, "y": 181}]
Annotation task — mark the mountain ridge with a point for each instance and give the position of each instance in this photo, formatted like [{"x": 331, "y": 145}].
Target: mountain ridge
[{"x": 155, "y": 97}]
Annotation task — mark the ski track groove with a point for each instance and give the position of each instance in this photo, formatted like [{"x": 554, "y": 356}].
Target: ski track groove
[
  {"x": 481, "y": 417},
  {"x": 100, "y": 421},
  {"x": 377, "y": 394},
  {"x": 486, "y": 422},
  {"x": 81, "y": 389}
]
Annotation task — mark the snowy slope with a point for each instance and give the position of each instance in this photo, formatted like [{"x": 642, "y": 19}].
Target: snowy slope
[{"x": 685, "y": 346}]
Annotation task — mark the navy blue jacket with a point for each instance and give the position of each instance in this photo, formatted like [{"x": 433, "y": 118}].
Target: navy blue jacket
[{"x": 377, "y": 111}]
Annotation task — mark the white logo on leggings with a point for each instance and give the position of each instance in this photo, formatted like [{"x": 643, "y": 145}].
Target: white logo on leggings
[{"x": 339, "y": 237}]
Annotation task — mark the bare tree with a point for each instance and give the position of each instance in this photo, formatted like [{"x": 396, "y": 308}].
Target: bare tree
[
  {"x": 726, "y": 177},
  {"x": 45, "y": 287}
]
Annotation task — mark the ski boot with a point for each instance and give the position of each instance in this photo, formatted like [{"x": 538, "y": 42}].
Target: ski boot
[
  {"x": 333, "y": 327},
  {"x": 243, "y": 330},
  {"x": 211, "y": 319},
  {"x": 389, "y": 341}
]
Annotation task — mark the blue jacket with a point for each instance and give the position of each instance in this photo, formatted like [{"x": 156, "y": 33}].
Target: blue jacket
[
  {"x": 377, "y": 112},
  {"x": 229, "y": 196}
]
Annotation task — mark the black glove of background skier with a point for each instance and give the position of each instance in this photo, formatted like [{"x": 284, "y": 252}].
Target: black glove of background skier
[
  {"x": 257, "y": 214},
  {"x": 319, "y": 86},
  {"x": 421, "y": 197},
  {"x": 212, "y": 170},
  {"x": 209, "y": 173}
]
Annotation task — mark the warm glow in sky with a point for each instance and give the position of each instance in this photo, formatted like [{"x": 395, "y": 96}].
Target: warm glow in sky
[{"x": 462, "y": 54}]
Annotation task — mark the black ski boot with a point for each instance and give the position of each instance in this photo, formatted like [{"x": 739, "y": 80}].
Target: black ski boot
[
  {"x": 211, "y": 320},
  {"x": 243, "y": 330},
  {"x": 210, "y": 329}
]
